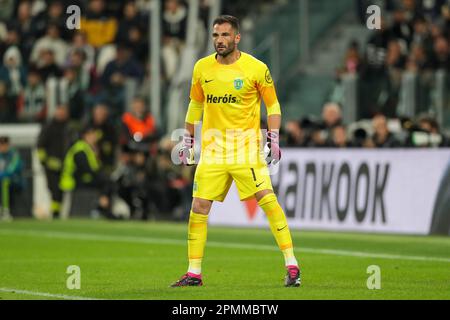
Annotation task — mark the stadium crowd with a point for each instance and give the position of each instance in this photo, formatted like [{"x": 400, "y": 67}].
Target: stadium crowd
[
  {"x": 378, "y": 132},
  {"x": 91, "y": 67},
  {"x": 117, "y": 149},
  {"x": 120, "y": 149},
  {"x": 414, "y": 38}
]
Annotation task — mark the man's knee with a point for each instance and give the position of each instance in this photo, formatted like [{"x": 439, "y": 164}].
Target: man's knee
[
  {"x": 261, "y": 194},
  {"x": 201, "y": 206}
]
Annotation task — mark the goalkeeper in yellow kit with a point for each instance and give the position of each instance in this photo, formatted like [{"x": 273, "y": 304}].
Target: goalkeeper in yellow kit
[{"x": 226, "y": 93}]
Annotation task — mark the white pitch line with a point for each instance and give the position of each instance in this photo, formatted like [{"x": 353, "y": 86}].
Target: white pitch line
[
  {"x": 45, "y": 294},
  {"x": 131, "y": 239}
]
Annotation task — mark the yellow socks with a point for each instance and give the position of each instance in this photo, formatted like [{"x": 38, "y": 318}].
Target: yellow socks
[
  {"x": 197, "y": 231},
  {"x": 198, "y": 227},
  {"x": 279, "y": 227}
]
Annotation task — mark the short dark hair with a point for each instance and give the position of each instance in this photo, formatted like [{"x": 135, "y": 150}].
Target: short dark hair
[
  {"x": 87, "y": 129},
  {"x": 233, "y": 21},
  {"x": 4, "y": 140}
]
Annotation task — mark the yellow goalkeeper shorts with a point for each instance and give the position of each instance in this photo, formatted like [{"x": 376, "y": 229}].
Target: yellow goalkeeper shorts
[{"x": 212, "y": 181}]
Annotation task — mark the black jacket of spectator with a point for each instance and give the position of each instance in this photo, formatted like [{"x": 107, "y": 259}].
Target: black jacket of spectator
[
  {"x": 48, "y": 71},
  {"x": 53, "y": 142},
  {"x": 174, "y": 25},
  {"x": 389, "y": 142},
  {"x": 129, "y": 68},
  {"x": 8, "y": 106},
  {"x": 126, "y": 24},
  {"x": 42, "y": 20},
  {"x": 107, "y": 143}
]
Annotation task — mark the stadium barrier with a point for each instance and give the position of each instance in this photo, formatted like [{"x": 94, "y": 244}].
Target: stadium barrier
[{"x": 383, "y": 191}]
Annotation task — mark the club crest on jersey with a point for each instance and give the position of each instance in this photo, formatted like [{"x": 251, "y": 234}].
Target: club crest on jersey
[{"x": 238, "y": 84}]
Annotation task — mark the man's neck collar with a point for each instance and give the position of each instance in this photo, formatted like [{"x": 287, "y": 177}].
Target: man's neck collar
[{"x": 230, "y": 59}]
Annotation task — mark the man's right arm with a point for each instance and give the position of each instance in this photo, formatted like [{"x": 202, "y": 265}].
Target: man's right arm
[
  {"x": 194, "y": 114},
  {"x": 197, "y": 97}
]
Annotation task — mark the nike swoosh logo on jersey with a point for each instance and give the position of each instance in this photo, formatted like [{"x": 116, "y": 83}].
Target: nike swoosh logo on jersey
[
  {"x": 208, "y": 81},
  {"x": 282, "y": 228},
  {"x": 259, "y": 184}
]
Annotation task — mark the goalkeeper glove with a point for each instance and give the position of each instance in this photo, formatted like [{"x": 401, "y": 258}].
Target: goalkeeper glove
[
  {"x": 272, "y": 149},
  {"x": 186, "y": 153}
]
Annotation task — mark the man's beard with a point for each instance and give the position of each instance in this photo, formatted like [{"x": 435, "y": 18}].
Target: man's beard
[{"x": 226, "y": 52}]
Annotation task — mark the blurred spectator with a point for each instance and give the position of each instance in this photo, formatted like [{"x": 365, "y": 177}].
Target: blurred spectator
[
  {"x": 107, "y": 136},
  {"x": 296, "y": 136},
  {"x": 47, "y": 66},
  {"x": 38, "y": 6},
  {"x": 32, "y": 107},
  {"x": 390, "y": 90},
  {"x": 51, "y": 41},
  {"x": 331, "y": 115},
  {"x": 339, "y": 137},
  {"x": 138, "y": 125},
  {"x": 174, "y": 20},
  {"x": 134, "y": 184},
  {"x": 422, "y": 34},
  {"x": 431, "y": 10},
  {"x": 382, "y": 137},
  {"x": 22, "y": 24},
  {"x": 8, "y": 111},
  {"x": 132, "y": 18},
  {"x": 402, "y": 28},
  {"x": 381, "y": 76},
  {"x": 12, "y": 72},
  {"x": 114, "y": 76},
  {"x": 418, "y": 60},
  {"x": 440, "y": 58},
  {"x": 395, "y": 59},
  {"x": 79, "y": 43},
  {"x": 436, "y": 138},
  {"x": 318, "y": 136},
  {"x": 352, "y": 64},
  {"x": 100, "y": 28},
  {"x": 174, "y": 26},
  {"x": 138, "y": 43},
  {"x": 54, "y": 140},
  {"x": 54, "y": 14},
  {"x": 84, "y": 73},
  {"x": 413, "y": 38},
  {"x": 11, "y": 39},
  {"x": 71, "y": 94},
  {"x": 82, "y": 169},
  {"x": 353, "y": 59},
  {"x": 11, "y": 180}
]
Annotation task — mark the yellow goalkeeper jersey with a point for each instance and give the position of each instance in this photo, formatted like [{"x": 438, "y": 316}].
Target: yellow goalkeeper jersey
[{"x": 230, "y": 96}]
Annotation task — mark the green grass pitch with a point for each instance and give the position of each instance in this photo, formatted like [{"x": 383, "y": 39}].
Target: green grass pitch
[{"x": 135, "y": 260}]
